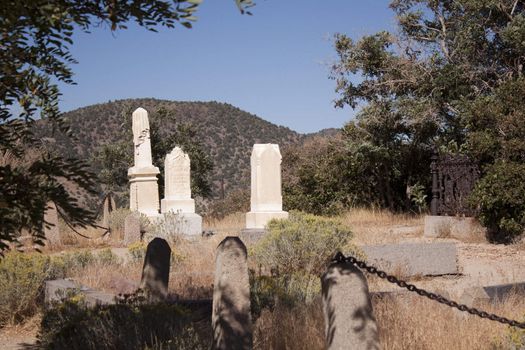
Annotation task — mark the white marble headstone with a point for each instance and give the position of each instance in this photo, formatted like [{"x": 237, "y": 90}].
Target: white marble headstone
[
  {"x": 266, "y": 198},
  {"x": 177, "y": 191}
]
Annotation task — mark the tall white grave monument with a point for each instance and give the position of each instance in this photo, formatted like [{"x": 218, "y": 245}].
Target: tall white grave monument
[
  {"x": 177, "y": 191},
  {"x": 266, "y": 199},
  {"x": 144, "y": 191}
]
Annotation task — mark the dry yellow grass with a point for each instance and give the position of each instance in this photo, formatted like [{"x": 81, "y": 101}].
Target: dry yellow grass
[
  {"x": 418, "y": 323},
  {"x": 413, "y": 323},
  {"x": 293, "y": 329},
  {"x": 404, "y": 323},
  {"x": 231, "y": 224},
  {"x": 375, "y": 226}
]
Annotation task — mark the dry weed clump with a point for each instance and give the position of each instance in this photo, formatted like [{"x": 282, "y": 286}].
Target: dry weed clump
[
  {"x": 192, "y": 276},
  {"x": 413, "y": 322},
  {"x": 297, "y": 328},
  {"x": 405, "y": 322}
]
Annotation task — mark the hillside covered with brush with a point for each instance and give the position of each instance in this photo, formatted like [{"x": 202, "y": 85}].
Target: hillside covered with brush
[{"x": 227, "y": 133}]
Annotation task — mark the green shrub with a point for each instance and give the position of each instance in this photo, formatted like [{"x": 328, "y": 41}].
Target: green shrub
[
  {"x": 513, "y": 339},
  {"x": 107, "y": 257},
  {"x": 137, "y": 251},
  {"x": 297, "y": 251},
  {"x": 500, "y": 197},
  {"x": 285, "y": 290},
  {"x": 78, "y": 259},
  {"x": 303, "y": 243},
  {"x": 22, "y": 276},
  {"x": 73, "y": 325}
]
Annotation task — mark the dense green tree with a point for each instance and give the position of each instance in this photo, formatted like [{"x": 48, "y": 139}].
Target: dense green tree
[
  {"x": 35, "y": 37},
  {"x": 449, "y": 79}
]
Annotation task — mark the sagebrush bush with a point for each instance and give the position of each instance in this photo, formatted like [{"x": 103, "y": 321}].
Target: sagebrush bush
[
  {"x": 107, "y": 257},
  {"x": 80, "y": 259},
  {"x": 287, "y": 290},
  {"x": 303, "y": 243},
  {"x": 137, "y": 251},
  {"x": 514, "y": 339},
  {"x": 77, "y": 259},
  {"x": 296, "y": 251},
  {"x": 22, "y": 277},
  {"x": 500, "y": 197},
  {"x": 169, "y": 226},
  {"x": 73, "y": 325}
]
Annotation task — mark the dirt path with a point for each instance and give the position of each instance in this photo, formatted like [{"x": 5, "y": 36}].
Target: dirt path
[{"x": 19, "y": 337}]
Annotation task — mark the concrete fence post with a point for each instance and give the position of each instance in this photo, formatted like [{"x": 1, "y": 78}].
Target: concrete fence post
[
  {"x": 231, "y": 319},
  {"x": 349, "y": 319}
]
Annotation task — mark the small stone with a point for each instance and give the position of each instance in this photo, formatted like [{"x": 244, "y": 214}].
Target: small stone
[{"x": 132, "y": 232}]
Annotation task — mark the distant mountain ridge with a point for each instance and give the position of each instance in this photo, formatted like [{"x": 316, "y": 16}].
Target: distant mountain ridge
[{"x": 227, "y": 131}]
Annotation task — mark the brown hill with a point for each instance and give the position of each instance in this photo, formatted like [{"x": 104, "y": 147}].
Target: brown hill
[{"x": 227, "y": 132}]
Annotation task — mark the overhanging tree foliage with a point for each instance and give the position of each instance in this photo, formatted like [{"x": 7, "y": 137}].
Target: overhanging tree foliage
[
  {"x": 451, "y": 78},
  {"x": 34, "y": 55}
]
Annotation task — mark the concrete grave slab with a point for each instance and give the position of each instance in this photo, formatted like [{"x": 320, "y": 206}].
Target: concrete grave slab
[
  {"x": 478, "y": 295},
  {"x": 461, "y": 228},
  {"x": 250, "y": 236},
  {"x": 410, "y": 259},
  {"x": 56, "y": 290}
]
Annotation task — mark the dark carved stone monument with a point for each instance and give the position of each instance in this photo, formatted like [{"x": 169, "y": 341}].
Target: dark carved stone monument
[{"x": 453, "y": 178}]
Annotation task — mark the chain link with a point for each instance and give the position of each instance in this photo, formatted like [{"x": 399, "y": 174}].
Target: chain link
[{"x": 340, "y": 258}]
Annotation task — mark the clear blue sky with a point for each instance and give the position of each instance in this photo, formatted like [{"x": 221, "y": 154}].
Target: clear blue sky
[{"x": 274, "y": 64}]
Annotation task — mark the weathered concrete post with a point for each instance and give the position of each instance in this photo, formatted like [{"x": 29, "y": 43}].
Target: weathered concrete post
[
  {"x": 231, "y": 319},
  {"x": 349, "y": 320},
  {"x": 108, "y": 206},
  {"x": 51, "y": 230},
  {"x": 132, "y": 232},
  {"x": 156, "y": 270}
]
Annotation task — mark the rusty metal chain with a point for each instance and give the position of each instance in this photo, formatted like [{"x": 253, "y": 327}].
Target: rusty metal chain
[{"x": 340, "y": 258}]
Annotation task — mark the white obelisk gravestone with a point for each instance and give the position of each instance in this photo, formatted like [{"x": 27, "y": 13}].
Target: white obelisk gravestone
[
  {"x": 266, "y": 199},
  {"x": 144, "y": 191},
  {"x": 177, "y": 191}
]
